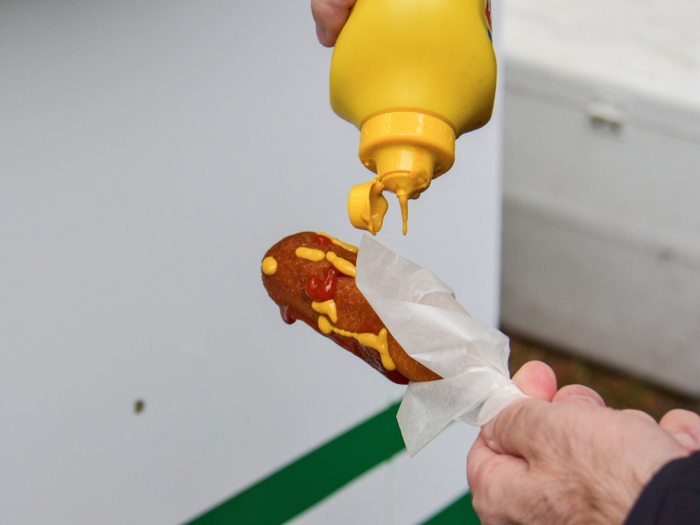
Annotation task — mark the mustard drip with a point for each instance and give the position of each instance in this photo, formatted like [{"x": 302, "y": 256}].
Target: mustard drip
[
  {"x": 341, "y": 264},
  {"x": 310, "y": 254},
  {"x": 403, "y": 201},
  {"x": 378, "y": 342},
  {"x": 328, "y": 308},
  {"x": 338, "y": 242},
  {"x": 269, "y": 266}
]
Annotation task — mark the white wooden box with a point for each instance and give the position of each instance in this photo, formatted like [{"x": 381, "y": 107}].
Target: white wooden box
[{"x": 601, "y": 225}]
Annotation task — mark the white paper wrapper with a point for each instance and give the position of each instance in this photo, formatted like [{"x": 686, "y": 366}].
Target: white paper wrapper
[{"x": 421, "y": 312}]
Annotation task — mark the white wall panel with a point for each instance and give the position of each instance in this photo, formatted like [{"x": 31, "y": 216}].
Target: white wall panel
[{"x": 150, "y": 152}]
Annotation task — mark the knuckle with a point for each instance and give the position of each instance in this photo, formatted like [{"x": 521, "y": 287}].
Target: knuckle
[
  {"x": 474, "y": 476},
  {"x": 481, "y": 508}
]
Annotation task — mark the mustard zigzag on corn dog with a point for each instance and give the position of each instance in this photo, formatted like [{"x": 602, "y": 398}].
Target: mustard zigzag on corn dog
[{"x": 311, "y": 277}]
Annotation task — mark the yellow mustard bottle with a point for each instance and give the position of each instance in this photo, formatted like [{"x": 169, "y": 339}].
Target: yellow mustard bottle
[{"x": 412, "y": 75}]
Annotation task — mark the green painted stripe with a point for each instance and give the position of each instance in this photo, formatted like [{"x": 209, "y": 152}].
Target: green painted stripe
[
  {"x": 460, "y": 512},
  {"x": 311, "y": 478}
]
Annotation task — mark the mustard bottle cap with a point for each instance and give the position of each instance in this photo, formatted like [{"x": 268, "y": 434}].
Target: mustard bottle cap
[
  {"x": 406, "y": 150},
  {"x": 367, "y": 206}
]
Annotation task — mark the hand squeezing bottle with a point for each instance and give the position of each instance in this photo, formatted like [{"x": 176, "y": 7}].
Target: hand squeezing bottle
[{"x": 412, "y": 75}]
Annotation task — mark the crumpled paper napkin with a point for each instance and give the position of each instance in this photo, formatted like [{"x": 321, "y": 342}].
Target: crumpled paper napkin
[{"x": 421, "y": 312}]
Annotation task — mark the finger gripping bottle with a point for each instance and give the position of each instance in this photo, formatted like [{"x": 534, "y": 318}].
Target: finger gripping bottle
[{"x": 412, "y": 75}]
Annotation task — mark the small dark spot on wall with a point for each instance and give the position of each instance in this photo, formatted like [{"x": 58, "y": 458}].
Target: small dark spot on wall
[{"x": 139, "y": 406}]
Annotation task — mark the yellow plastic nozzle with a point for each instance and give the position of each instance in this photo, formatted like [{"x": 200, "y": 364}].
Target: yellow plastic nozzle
[
  {"x": 367, "y": 206},
  {"x": 405, "y": 140},
  {"x": 406, "y": 150}
]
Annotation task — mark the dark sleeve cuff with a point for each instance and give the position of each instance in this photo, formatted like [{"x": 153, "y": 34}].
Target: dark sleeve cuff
[{"x": 672, "y": 497}]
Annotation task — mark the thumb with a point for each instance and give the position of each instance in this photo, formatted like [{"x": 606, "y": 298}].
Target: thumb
[
  {"x": 515, "y": 431},
  {"x": 535, "y": 379}
]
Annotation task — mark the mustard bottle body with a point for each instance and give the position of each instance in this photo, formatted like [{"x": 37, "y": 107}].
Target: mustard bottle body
[{"x": 412, "y": 75}]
